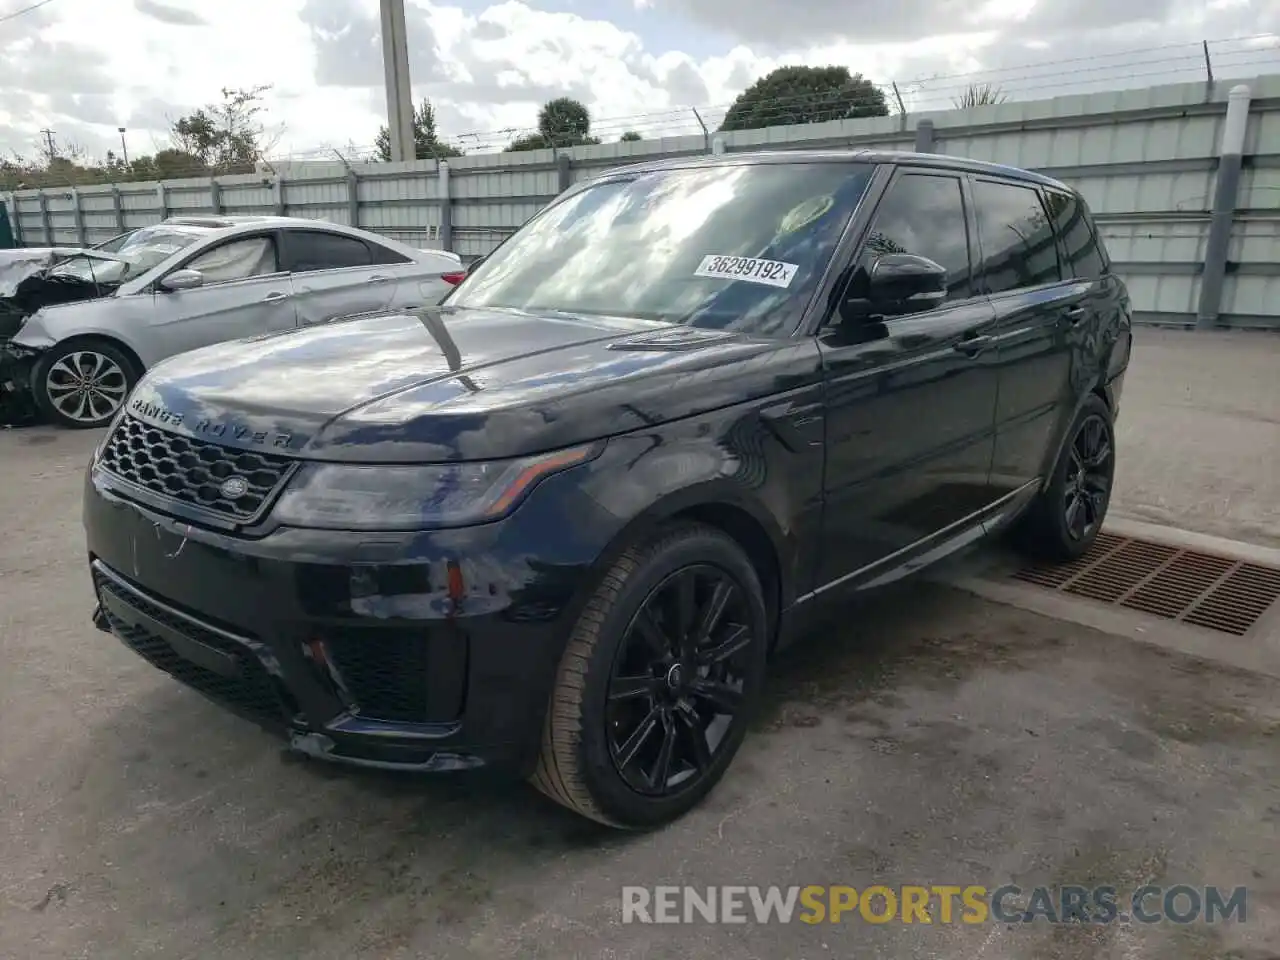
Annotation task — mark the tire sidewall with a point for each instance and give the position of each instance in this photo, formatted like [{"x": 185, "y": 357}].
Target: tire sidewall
[
  {"x": 40, "y": 373},
  {"x": 610, "y": 792},
  {"x": 1057, "y": 490}
]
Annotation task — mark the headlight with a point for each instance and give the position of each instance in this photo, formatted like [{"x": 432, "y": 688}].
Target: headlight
[{"x": 359, "y": 497}]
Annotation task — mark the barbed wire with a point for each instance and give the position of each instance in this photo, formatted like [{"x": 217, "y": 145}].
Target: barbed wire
[
  {"x": 941, "y": 92},
  {"x": 1218, "y": 59}
]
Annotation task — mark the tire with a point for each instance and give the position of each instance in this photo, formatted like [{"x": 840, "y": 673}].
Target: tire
[
  {"x": 1044, "y": 531},
  {"x": 581, "y": 764},
  {"x": 111, "y": 372}
]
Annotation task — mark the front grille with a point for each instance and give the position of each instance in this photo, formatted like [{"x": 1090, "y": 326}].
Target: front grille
[
  {"x": 252, "y": 694},
  {"x": 193, "y": 471}
]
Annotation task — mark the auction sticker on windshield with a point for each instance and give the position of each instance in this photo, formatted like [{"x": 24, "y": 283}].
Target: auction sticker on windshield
[{"x": 774, "y": 273}]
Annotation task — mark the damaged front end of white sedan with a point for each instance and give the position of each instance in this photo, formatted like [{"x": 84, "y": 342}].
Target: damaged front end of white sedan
[{"x": 31, "y": 279}]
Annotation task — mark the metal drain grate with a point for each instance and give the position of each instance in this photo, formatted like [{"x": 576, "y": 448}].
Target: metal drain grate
[{"x": 1197, "y": 588}]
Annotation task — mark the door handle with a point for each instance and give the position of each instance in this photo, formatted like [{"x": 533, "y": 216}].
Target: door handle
[
  {"x": 274, "y": 296},
  {"x": 1074, "y": 314},
  {"x": 376, "y": 278},
  {"x": 972, "y": 346}
]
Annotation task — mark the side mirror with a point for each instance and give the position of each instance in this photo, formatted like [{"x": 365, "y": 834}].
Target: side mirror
[
  {"x": 900, "y": 284},
  {"x": 182, "y": 280}
]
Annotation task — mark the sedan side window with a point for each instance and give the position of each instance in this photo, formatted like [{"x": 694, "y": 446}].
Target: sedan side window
[
  {"x": 237, "y": 260},
  {"x": 311, "y": 250},
  {"x": 923, "y": 215}
]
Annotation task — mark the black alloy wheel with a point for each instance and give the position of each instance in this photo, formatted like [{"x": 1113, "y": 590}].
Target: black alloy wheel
[
  {"x": 1088, "y": 481},
  {"x": 678, "y": 680},
  {"x": 658, "y": 681},
  {"x": 1063, "y": 521}
]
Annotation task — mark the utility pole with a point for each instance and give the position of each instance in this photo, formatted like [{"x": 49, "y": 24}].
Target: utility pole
[
  {"x": 395, "y": 65},
  {"x": 51, "y": 150},
  {"x": 124, "y": 149}
]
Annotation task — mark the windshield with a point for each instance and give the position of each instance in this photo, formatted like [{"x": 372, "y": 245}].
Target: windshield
[
  {"x": 140, "y": 251},
  {"x": 734, "y": 247}
]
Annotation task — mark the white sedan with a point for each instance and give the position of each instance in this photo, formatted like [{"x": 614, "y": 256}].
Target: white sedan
[{"x": 180, "y": 285}]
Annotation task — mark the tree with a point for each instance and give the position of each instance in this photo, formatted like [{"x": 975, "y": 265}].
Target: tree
[
  {"x": 426, "y": 143},
  {"x": 563, "y": 122},
  {"x": 532, "y": 141},
  {"x": 226, "y": 136},
  {"x": 790, "y": 95},
  {"x": 979, "y": 95},
  {"x": 629, "y": 137}
]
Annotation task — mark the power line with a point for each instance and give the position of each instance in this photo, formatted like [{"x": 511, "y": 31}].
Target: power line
[{"x": 29, "y": 9}]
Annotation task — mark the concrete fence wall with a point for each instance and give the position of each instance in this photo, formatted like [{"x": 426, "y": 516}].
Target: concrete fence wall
[{"x": 1148, "y": 161}]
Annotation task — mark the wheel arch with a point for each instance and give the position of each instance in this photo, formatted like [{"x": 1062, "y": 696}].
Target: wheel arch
[
  {"x": 81, "y": 339},
  {"x": 721, "y": 507}
]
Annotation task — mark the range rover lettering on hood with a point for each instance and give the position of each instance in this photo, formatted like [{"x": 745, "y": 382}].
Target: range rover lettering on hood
[{"x": 209, "y": 429}]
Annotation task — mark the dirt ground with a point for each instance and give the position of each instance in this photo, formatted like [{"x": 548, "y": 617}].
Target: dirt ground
[{"x": 934, "y": 738}]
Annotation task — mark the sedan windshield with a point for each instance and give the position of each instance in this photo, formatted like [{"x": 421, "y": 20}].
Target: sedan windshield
[
  {"x": 140, "y": 251},
  {"x": 734, "y": 247}
]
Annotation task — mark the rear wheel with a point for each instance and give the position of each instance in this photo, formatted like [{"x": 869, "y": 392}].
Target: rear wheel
[
  {"x": 1068, "y": 514},
  {"x": 82, "y": 384},
  {"x": 657, "y": 683}
]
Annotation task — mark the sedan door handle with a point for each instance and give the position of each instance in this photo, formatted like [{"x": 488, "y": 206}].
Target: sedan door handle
[
  {"x": 376, "y": 278},
  {"x": 972, "y": 346},
  {"x": 274, "y": 296}
]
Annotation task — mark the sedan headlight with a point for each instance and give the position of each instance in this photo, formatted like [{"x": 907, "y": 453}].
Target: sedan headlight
[{"x": 335, "y": 496}]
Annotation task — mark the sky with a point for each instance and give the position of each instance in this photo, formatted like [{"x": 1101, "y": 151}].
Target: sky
[{"x": 83, "y": 68}]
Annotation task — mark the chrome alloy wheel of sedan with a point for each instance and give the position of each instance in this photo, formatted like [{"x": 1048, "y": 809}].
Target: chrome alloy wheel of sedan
[{"x": 86, "y": 386}]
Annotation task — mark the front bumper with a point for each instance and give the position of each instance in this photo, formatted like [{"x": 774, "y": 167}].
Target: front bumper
[
  {"x": 432, "y": 652},
  {"x": 17, "y": 405}
]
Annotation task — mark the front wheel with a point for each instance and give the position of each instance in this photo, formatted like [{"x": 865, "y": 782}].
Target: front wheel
[
  {"x": 1067, "y": 516},
  {"x": 657, "y": 683},
  {"x": 82, "y": 385}
]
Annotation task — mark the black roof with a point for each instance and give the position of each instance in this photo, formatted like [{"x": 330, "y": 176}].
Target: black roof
[{"x": 933, "y": 161}]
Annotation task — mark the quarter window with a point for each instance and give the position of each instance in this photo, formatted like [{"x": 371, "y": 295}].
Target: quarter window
[
  {"x": 1018, "y": 247},
  {"x": 237, "y": 260},
  {"x": 1071, "y": 221},
  {"x": 383, "y": 254},
  {"x": 923, "y": 215},
  {"x": 316, "y": 250}
]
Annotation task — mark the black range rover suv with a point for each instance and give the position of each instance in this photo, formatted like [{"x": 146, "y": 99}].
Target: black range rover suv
[{"x": 558, "y": 525}]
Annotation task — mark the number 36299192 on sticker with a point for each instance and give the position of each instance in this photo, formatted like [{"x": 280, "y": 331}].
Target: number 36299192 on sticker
[{"x": 774, "y": 273}]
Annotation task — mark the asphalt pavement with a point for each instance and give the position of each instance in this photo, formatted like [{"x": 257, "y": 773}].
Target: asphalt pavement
[{"x": 930, "y": 738}]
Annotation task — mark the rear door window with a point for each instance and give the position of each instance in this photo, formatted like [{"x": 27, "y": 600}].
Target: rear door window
[
  {"x": 1018, "y": 245},
  {"x": 1072, "y": 223},
  {"x": 311, "y": 250}
]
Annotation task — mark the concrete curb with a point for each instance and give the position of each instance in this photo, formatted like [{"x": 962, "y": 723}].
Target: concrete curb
[{"x": 1258, "y": 651}]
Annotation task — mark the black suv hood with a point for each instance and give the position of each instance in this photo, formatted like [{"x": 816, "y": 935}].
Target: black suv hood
[{"x": 450, "y": 384}]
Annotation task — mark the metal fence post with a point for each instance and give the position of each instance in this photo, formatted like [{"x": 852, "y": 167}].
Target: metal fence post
[
  {"x": 446, "y": 206},
  {"x": 77, "y": 217},
  {"x": 353, "y": 197},
  {"x": 564, "y": 167},
  {"x": 717, "y": 146},
  {"x": 1222, "y": 219},
  {"x": 45, "y": 223},
  {"x": 277, "y": 195},
  {"x": 162, "y": 201},
  {"x": 924, "y": 136},
  {"x": 117, "y": 206},
  {"x": 215, "y": 196},
  {"x": 15, "y": 208}
]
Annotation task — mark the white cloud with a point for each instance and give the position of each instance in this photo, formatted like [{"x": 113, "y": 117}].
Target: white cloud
[{"x": 84, "y": 67}]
